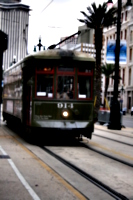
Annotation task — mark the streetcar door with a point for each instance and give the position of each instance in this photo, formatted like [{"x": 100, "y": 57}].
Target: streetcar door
[
  {"x": 27, "y": 97},
  {"x": 29, "y": 102}
]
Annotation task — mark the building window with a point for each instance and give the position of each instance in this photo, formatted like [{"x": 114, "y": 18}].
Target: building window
[
  {"x": 121, "y": 17},
  {"x": 129, "y": 76},
  {"x": 126, "y": 16},
  {"x": 112, "y": 80},
  {"x": 121, "y": 35},
  {"x": 125, "y": 36},
  {"x": 119, "y": 76},
  {"x": 123, "y": 77},
  {"x": 130, "y": 54},
  {"x": 114, "y": 36},
  {"x": 131, "y": 36}
]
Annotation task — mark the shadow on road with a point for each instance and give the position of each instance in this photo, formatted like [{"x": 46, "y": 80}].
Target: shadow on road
[{"x": 46, "y": 137}]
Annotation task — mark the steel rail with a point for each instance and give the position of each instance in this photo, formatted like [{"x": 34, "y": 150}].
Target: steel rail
[
  {"x": 87, "y": 176},
  {"x": 113, "y": 139},
  {"x": 107, "y": 155}
]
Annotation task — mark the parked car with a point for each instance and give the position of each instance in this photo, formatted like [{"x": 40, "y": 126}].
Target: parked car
[{"x": 131, "y": 110}]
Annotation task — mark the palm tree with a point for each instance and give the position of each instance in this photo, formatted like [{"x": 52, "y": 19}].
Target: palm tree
[
  {"x": 98, "y": 19},
  {"x": 107, "y": 70}
]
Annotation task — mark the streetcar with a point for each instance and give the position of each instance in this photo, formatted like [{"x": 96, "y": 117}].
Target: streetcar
[{"x": 51, "y": 90}]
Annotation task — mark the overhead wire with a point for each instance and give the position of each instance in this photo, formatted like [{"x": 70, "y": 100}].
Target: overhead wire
[{"x": 47, "y": 6}]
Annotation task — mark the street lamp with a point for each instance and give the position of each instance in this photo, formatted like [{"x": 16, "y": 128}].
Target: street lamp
[
  {"x": 14, "y": 59},
  {"x": 39, "y": 45},
  {"x": 115, "y": 116}
]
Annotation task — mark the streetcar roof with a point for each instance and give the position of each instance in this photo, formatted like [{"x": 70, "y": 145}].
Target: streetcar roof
[
  {"x": 54, "y": 54},
  {"x": 59, "y": 53}
]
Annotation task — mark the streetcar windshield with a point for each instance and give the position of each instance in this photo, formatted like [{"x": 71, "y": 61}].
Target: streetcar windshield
[
  {"x": 65, "y": 87},
  {"x": 45, "y": 85},
  {"x": 84, "y": 87}
]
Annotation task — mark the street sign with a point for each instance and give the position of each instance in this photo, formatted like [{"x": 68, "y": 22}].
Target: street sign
[{"x": 110, "y": 55}]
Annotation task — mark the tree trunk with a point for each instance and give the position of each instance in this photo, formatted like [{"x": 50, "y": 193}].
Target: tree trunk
[
  {"x": 98, "y": 47},
  {"x": 106, "y": 88}
]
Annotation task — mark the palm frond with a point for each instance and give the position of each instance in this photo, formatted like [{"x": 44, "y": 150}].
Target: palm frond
[
  {"x": 99, "y": 16},
  {"x": 107, "y": 69},
  {"x": 94, "y": 7},
  {"x": 84, "y": 14},
  {"x": 90, "y": 10}
]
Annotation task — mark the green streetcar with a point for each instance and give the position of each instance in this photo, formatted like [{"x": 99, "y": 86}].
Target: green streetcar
[{"x": 51, "y": 90}]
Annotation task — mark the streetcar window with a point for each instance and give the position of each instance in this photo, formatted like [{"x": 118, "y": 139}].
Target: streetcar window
[
  {"x": 65, "y": 87},
  {"x": 45, "y": 85},
  {"x": 84, "y": 87},
  {"x": 44, "y": 69},
  {"x": 66, "y": 69},
  {"x": 85, "y": 69}
]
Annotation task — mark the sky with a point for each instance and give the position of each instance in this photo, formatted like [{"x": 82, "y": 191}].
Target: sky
[{"x": 53, "y": 19}]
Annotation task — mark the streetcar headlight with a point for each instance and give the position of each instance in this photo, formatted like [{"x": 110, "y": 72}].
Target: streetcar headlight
[{"x": 65, "y": 114}]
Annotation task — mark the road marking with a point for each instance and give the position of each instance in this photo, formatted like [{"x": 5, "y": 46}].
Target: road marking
[
  {"x": 21, "y": 178},
  {"x": 50, "y": 170}
]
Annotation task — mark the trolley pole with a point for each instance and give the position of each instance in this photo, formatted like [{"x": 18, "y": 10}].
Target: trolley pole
[{"x": 54, "y": 45}]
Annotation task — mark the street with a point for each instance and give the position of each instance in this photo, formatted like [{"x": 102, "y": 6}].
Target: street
[{"x": 127, "y": 120}]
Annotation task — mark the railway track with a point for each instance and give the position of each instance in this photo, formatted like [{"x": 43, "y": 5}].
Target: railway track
[
  {"x": 89, "y": 177},
  {"x": 114, "y": 139},
  {"x": 95, "y": 180},
  {"x": 106, "y": 154}
]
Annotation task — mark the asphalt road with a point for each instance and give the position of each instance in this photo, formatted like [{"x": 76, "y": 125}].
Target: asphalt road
[{"x": 127, "y": 120}]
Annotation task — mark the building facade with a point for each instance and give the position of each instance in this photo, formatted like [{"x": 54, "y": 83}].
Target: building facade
[
  {"x": 126, "y": 70},
  {"x": 14, "y": 21},
  {"x": 125, "y": 87}
]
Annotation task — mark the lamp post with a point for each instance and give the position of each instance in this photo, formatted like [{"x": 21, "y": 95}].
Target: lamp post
[
  {"x": 39, "y": 45},
  {"x": 115, "y": 117}
]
